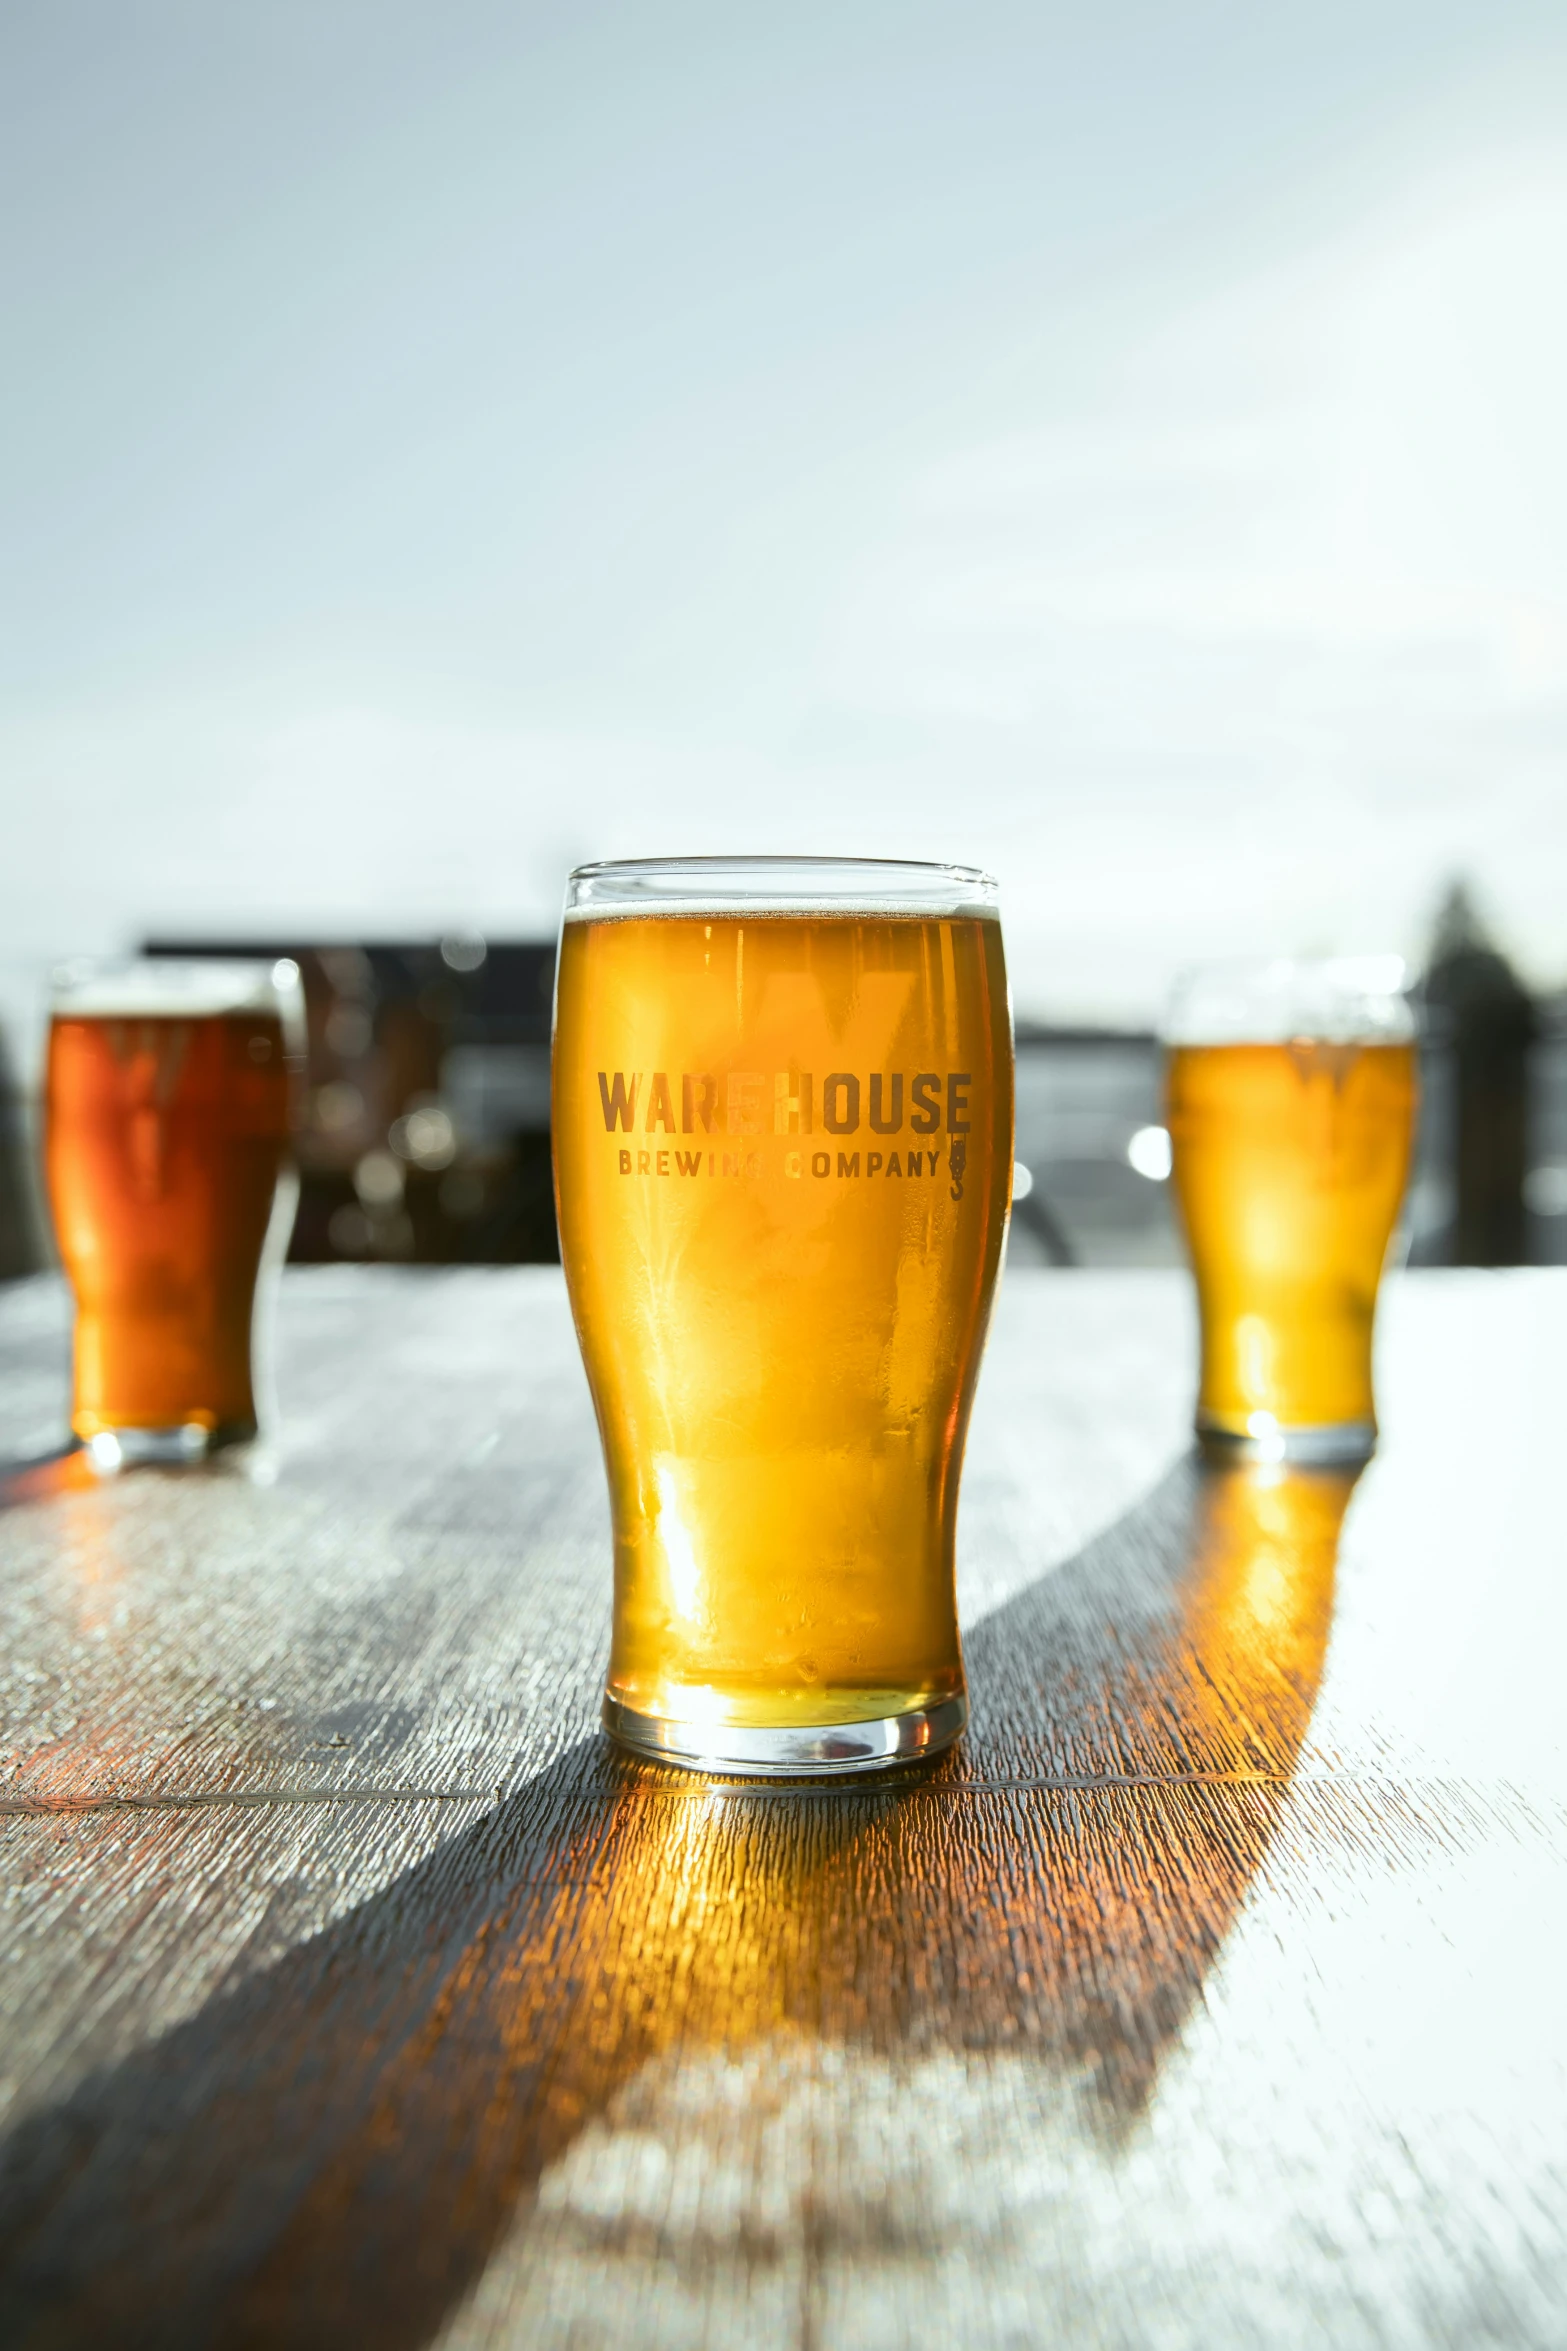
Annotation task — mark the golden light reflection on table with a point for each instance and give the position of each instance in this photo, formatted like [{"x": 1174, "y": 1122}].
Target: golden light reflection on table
[
  {"x": 1260, "y": 1603},
  {"x": 632, "y": 1945},
  {"x": 418, "y": 2067}
]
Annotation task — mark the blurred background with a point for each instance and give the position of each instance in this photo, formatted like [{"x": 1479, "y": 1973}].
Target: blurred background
[{"x": 1123, "y": 447}]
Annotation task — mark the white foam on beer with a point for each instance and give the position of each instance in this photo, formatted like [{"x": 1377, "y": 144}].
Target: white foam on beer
[
  {"x": 867, "y": 888},
  {"x": 783, "y": 910},
  {"x": 169, "y": 989}
]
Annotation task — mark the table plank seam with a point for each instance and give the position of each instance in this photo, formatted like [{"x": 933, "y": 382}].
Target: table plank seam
[{"x": 1086, "y": 1783}]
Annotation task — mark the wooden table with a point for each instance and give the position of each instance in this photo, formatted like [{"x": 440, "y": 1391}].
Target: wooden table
[{"x": 1214, "y": 1994}]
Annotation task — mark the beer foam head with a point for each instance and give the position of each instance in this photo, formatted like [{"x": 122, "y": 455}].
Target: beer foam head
[
  {"x": 751, "y": 886},
  {"x": 175, "y": 988},
  {"x": 1332, "y": 1000}
]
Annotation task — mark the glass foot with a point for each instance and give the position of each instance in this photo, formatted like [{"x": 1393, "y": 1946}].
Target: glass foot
[
  {"x": 800, "y": 1751},
  {"x": 1266, "y": 1440},
  {"x": 111, "y": 1450}
]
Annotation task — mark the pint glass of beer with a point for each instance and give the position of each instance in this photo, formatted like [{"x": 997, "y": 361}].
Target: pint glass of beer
[
  {"x": 1291, "y": 1105},
  {"x": 167, "y": 1113},
  {"x": 783, "y": 1156}
]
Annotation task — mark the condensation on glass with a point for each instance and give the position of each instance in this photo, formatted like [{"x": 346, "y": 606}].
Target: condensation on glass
[
  {"x": 783, "y": 1150},
  {"x": 168, "y": 1110},
  {"x": 1291, "y": 1090}
]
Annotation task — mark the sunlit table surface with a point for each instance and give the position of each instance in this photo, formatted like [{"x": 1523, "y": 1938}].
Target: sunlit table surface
[{"x": 1214, "y": 1993}]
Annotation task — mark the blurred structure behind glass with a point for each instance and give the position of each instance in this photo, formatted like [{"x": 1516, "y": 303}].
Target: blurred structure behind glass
[
  {"x": 23, "y": 1247},
  {"x": 1490, "y": 1184},
  {"x": 1089, "y": 1132},
  {"x": 1488, "y": 1092},
  {"x": 427, "y": 1134},
  {"x": 426, "y": 1131},
  {"x": 1545, "y": 1184}
]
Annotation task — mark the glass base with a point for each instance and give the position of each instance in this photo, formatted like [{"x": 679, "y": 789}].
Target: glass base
[
  {"x": 797, "y": 1751},
  {"x": 1328, "y": 1443},
  {"x": 111, "y": 1450}
]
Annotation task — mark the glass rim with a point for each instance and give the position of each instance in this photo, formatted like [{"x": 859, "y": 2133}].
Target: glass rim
[
  {"x": 1278, "y": 999},
  {"x": 172, "y": 987},
  {"x": 613, "y": 887}
]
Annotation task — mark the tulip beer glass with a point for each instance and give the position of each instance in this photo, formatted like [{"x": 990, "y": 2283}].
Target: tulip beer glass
[
  {"x": 783, "y": 1154},
  {"x": 1291, "y": 1103},
  {"x": 167, "y": 1126}
]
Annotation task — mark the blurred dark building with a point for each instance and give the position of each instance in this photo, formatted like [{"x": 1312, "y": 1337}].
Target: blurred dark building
[
  {"x": 1481, "y": 1026},
  {"x": 427, "y": 1104}
]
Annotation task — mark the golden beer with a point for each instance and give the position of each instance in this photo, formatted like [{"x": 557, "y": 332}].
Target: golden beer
[
  {"x": 1290, "y": 1159},
  {"x": 167, "y": 1124},
  {"x": 783, "y": 1151}
]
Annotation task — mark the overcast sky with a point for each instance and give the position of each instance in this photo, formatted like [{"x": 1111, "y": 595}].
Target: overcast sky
[{"x": 1123, "y": 446}]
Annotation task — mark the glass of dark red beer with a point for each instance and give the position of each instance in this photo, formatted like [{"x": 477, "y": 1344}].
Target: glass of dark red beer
[{"x": 168, "y": 1110}]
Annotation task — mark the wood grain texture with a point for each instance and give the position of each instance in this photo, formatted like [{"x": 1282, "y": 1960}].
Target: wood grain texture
[{"x": 353, "y": 1991}]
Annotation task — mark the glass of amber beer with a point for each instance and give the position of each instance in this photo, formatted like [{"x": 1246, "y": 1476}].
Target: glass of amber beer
[
  {"x": 1291, "y": 1106},
  {"x": 167, "y": 1118},
  {"x": 783, "y": 1158}
]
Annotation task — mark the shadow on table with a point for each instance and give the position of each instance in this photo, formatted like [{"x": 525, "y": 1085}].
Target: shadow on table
[
  {"x": 34, "y": 1477},
  {"x": 330, "y": 2152}
]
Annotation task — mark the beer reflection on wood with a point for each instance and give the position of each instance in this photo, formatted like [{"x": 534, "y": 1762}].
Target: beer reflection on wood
[{"x": 333, "y": 2150}]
